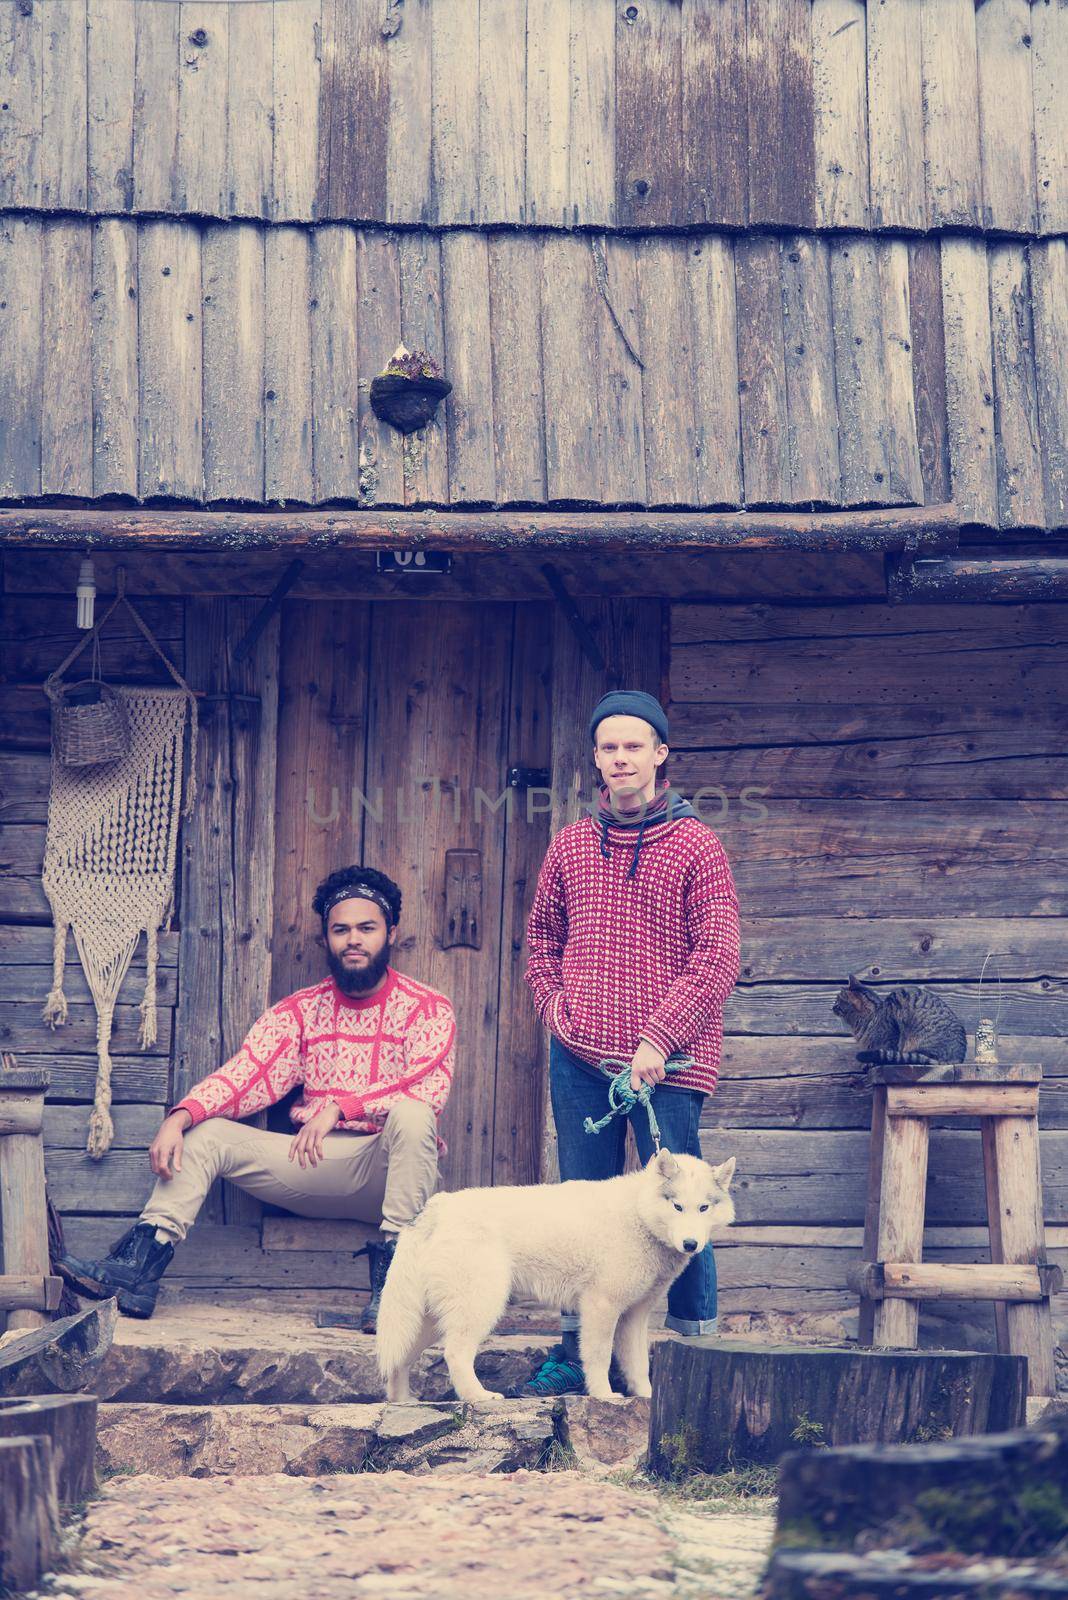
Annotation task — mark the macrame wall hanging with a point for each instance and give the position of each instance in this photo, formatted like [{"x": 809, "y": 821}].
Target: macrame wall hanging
[{"x": 111, "y": 847}]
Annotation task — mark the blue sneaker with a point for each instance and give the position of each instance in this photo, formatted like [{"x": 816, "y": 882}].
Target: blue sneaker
[{"x": 558, "y": 1374}]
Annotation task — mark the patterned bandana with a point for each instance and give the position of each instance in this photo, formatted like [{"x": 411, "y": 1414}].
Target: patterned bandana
[{"x": 358, "y": 891}]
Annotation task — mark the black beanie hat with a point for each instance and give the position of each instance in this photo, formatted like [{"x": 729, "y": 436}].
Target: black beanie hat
[{"x": 630, "y": 703}]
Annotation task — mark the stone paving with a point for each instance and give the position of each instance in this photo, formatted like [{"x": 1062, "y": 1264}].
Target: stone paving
[
  {"x": 203, "y": 1397},
  {"x": 389, "y": 1536}
]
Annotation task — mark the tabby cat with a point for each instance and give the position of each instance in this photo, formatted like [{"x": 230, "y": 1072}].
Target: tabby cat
[{"x": 909, "y": 1025}]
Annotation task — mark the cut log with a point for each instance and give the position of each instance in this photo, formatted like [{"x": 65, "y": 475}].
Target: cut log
[
  {"x": 61, "y": 1358},
  {"x": 718, "y": 1403},
  {"x": 947, "y": 580},
  {"x": 29, "y": 1514},
  {"x": 800, "y": 1574},
  {"x": 68, "y": 1421}
]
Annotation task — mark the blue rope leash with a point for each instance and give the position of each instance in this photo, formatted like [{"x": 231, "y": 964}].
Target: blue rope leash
[{"x": 622, "y": 1098}]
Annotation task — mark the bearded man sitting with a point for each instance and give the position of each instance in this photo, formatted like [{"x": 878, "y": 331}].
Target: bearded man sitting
[{"x": 372, "y": 1050}]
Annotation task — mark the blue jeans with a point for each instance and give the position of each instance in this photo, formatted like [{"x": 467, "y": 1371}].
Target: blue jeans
[{"x": 579, "y": 1091}]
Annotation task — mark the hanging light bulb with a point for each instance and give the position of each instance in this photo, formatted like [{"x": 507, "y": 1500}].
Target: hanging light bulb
[{"x": 86, "y": 592}]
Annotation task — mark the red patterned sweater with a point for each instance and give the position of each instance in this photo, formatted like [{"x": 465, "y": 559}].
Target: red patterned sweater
[
  {"x": 616, "y": 959},
  {"x": 362, "y": 1052}
]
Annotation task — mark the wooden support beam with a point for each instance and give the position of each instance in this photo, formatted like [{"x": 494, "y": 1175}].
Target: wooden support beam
[
  {"x": 993, "y": 1222},
  {"x": 20, "y": 1111},
  {"x": 586, "y": 642},
  {"x": 947, "y": 578},
  {"x": 900, "y": 528},
  {"x": 289, "y": 577},
  {"x": 1019, "y": 1199},
  {"x": 18, "y": 1292},
  {"x": 904, "y": 1184},
  {"x": 942, "y": 1280},
  {"x": 976, "y": 1100},
  {"x": 866, "y": 1326},
  {"x": 23, "y": 1213}
]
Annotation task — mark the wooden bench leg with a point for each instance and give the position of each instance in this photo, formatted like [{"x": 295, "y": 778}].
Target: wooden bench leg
[
  {"x": 23, "y": 1209},
  {"x": 1022, "y": 1239},
  {"x": 993, "y": 1222},
  {"x": 866, "y": 1325},
  {"x": 901, "y": 1207}
]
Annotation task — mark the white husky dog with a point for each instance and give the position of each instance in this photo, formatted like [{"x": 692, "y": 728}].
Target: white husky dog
[{"x": 609, "y": 1248}]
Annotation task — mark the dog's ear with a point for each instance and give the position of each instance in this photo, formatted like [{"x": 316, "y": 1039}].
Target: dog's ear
[
  {"x": 666, "y": 1164},
  {"x": 724, "y": 1173}
]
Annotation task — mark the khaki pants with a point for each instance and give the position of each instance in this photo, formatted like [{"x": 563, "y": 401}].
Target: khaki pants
[{"x": 380, "y": 1178}]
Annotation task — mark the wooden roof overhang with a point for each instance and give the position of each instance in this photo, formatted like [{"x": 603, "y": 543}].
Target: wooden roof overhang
[{"x": 902, "y": 529}]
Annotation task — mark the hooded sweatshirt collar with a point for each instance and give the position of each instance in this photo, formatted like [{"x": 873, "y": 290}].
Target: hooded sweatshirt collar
[{"x": 667, "y": 805}]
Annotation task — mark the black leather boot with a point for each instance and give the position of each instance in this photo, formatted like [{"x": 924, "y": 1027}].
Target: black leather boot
[
  {"x": 131, "y": 1271},
  {"x": 379, "y": 1256}
]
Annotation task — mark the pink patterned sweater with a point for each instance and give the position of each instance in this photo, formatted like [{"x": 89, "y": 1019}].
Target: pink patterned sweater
[
  {"x": 616, "y": 959},
  {"x": 364, "y": 1053}
]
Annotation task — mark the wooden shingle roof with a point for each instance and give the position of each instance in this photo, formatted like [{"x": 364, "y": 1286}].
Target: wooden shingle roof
[
  {"x": 231, "y": 363},
  {"x": 896, "y": 114},
  {"x": 671, "y": 253}
]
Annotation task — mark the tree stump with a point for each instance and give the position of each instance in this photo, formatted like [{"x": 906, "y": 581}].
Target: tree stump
[
  {"x": 29, "y": 1514},
  {"x": 1006, "y": 1494},
  {"x": 68, "y": 1421},
  {"x": 718, "y": 1403},
  {"x": 61, "y": 1358}
]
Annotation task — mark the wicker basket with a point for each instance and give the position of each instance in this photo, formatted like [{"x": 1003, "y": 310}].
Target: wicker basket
[{"x": 87, "y": 734}]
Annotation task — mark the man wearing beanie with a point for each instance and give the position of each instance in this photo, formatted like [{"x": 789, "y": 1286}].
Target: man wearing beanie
[
  {"x": 634, "y": 947},
  {"x": 372, "y": 1050}
]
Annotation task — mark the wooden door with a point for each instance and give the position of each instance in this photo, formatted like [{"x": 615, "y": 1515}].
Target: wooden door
[{"x": 399, "y": 722}]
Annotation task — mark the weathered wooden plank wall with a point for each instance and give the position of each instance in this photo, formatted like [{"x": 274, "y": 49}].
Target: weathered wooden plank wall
[
  {"x": 35, "y": 634},
  {"x": 232, "y": 363},
  {"x": 222, "y": 945},
  {"x": 910, "y": 114},
  {"x": 909, "y": 760},
  {"x": 908, "y": 786}
]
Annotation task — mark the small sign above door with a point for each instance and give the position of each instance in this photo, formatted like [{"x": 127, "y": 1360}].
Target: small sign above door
[{"x": 413, "y": 561}]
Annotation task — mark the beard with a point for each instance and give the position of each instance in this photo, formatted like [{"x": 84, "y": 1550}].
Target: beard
[{"x": 357, "y": 980}]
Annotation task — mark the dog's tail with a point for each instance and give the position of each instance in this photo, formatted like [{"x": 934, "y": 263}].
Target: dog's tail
[{"x": 402, "y": 1308}]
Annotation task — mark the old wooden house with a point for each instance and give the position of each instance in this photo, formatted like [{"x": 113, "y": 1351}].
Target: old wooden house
[{"x": 756, "y": 318}]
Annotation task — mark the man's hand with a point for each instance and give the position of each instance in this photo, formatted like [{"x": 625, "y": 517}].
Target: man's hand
[
  {"x": 307, "y": 1146},
  {"x": 165, "y": 1151},
  {"x": 647, "y": 1065}
]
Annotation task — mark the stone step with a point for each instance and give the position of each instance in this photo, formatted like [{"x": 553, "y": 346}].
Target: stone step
[
  {"x": 251, "y": 1440},
  {"x": 205, "y": 1354},
  {"x": 324, "y": 1366}
]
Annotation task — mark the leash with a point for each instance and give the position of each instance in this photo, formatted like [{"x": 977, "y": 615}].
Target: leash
[{"x": 622, "y": 1098}]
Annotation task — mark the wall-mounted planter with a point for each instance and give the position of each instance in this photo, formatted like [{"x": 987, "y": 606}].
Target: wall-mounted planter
[
  {"x": 407, "y": 403},
  {"x": 410, "y": 389}
]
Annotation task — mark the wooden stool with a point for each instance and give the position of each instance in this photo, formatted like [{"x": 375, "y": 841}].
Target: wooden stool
[
  {"x": 893, "y": 1278},
  {"x": 27, "y": 1289}
]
